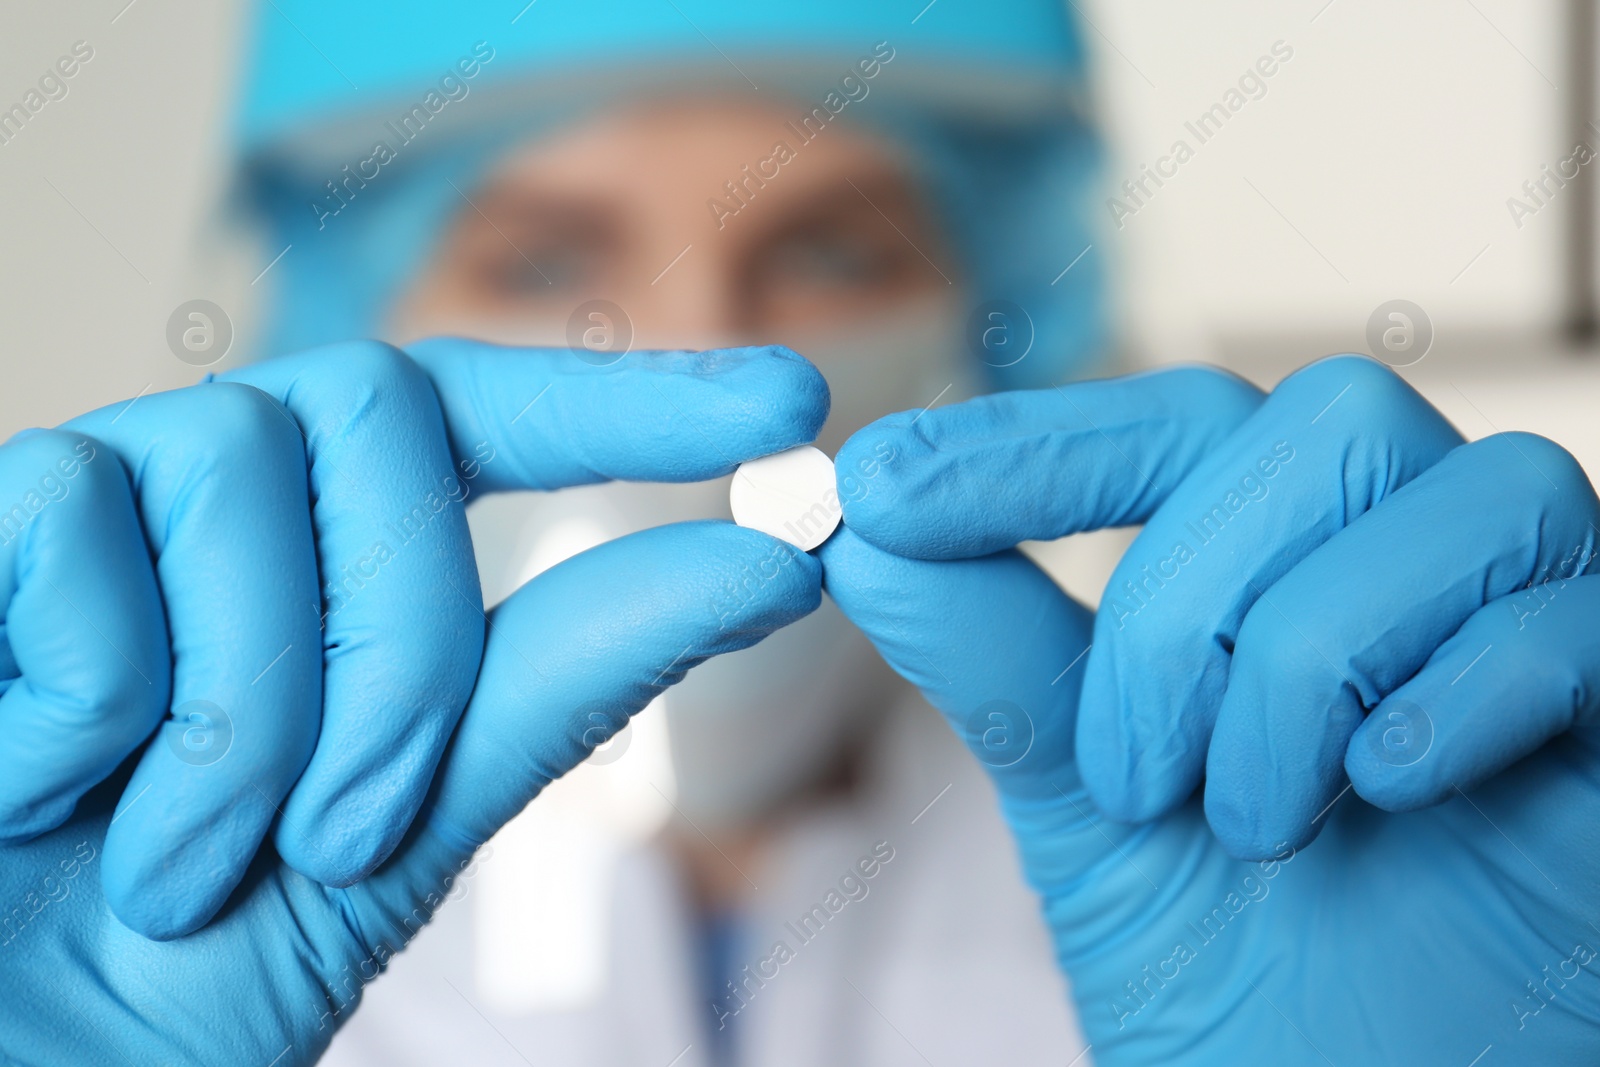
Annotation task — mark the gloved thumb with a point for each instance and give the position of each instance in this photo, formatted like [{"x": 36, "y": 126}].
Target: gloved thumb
[
  {"x": 569, "y": 658},
  {"x": 997, "y": 647}
]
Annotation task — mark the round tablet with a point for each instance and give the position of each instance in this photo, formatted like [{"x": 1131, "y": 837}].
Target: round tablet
[{"x": 790, "y": 495}]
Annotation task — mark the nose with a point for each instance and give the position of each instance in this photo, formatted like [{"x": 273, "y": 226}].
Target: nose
[{"x": 693, "y": 302}]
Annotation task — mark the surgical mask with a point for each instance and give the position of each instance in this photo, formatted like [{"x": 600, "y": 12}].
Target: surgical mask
[
  {"x": 747, "y": 730},
  {"x": 906, "y": 360},
  {"x": 753, "y": 729}
]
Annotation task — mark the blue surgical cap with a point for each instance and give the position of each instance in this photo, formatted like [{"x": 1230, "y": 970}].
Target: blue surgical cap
[{"x": 362, "y": 124}]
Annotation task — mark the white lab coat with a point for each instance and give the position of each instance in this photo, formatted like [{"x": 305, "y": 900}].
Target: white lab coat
[{"x": 945, "y": 960}]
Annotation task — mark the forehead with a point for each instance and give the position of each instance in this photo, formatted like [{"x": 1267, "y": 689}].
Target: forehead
[{"x": 675, "y": 155}]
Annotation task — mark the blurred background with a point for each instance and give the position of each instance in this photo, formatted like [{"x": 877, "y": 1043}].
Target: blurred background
[
  {"x": 1394, "y": 153},
  {"x": 1377, "y": 166}
]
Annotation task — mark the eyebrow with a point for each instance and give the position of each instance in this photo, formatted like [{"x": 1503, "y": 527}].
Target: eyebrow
[
  {"x": 526, "y": 210},
  {"x": 871, "y": 196},
  {"x": 882, "y": 196}
]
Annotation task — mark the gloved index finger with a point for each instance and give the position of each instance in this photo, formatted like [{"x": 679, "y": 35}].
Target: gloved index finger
[
  {"x": 531, "y": 418},
  {"x": 974, "y": 478}
]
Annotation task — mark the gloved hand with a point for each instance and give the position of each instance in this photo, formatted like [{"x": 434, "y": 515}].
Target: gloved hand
[
  {"x": 1327, "y": 583},
  {"x": 217, "y": 476}
]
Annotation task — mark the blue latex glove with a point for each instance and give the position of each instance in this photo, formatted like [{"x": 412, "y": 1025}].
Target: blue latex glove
[
  {"x": 239, "y": 522},
  {"x": 1362, "y": 605}
]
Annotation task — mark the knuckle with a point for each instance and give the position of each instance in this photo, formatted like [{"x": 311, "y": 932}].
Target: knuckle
[
  {"x": 375, "y": 363},
  {"x": 1374, "y": 389},
  {"x": 217, "y": 435},
  {"x": 39, "y": 445},
  {"x": 56, "y": 467},
  {"x": 374, "y": 377},
  {"x": 46, "y": 452},
  {"x": 240, "y": 422},
  {"x": 1527, "y": 471},
  {"x": 1218, "y": 391},
  {"x": 1538, "y": 460}
]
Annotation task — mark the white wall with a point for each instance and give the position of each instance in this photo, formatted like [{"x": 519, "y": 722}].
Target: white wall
[
  {"x": 1390, "y": 141},
  {"x": 135, "y": 147}
]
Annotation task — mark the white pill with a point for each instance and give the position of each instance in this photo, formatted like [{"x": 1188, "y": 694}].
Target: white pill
[{"x": 790, "y": 495}]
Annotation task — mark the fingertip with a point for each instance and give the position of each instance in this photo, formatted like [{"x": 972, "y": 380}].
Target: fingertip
[
  {"x": 1233, "y": 820},
  {"x": 904, "y": 496},
  {"x": 801, "y": 379},
  {"x": 339, "y": 834},
  {"x": 883, "y": 594},
  {"x": 800, "y": 376},
  {"x": 1389, "y": 781},
  {"x": 909, "y": 494},
  {"x": 1246, "y": 830},
  {"x": 387, "y": 726},
  {"x": 152, "y": 924},
  {"x": 23, "y": 819},
  {"x": 156, "y": 903},
  {"x": 85, "y": 638},
  {"x": 986, "y": 640},
  {"x": 843, "y": 549},
  {"x": 350, "y": 811},
  {"x": 876, "y": 492},
  {"x": 338, "y": 844},
  {"x": 173, "y": 853},
  {"x": 767, "y": 397},
  {"x": 335, "y": 872},
  {"x": 1259, "y": 799}
]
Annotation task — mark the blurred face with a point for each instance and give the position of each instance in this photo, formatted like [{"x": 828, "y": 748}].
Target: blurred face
[
  {"x": 826, "y": 249},
  {"x": 620, "y": 208}
]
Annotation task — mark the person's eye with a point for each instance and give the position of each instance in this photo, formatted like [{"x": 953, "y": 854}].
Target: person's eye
[
  {"x": 534, "y": 271},
  {"x": 561, "y": 268},
  {"x": 841, "y": 261}
]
